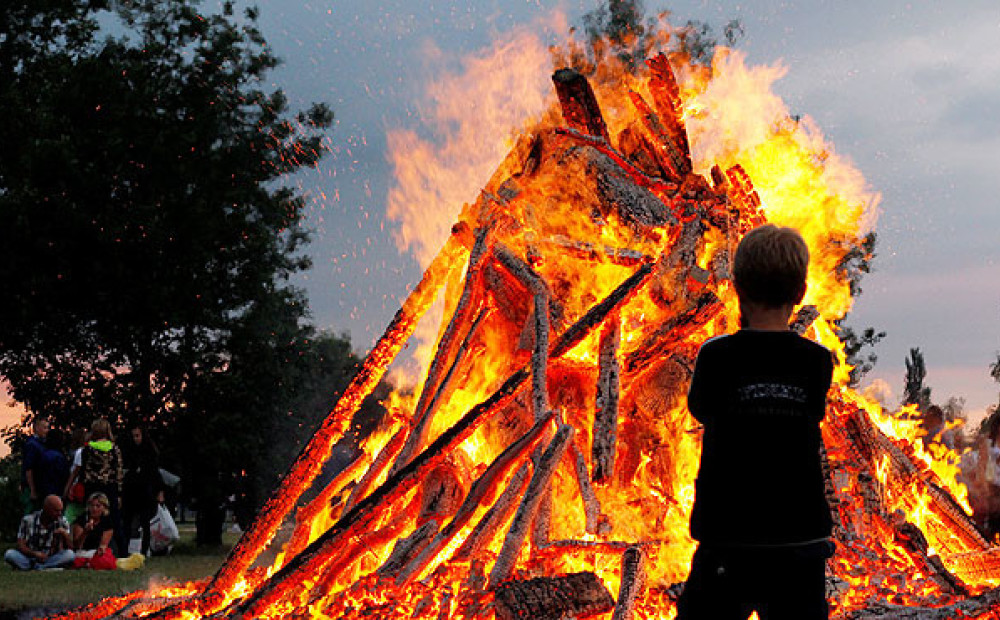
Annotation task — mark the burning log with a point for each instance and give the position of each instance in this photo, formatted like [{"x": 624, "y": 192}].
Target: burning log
[
  {"x": 306, "y": 515},
  {"x": 579, "y": 105},
  {"x": 407, "y": 548},
  {"x": 804, "y": 319},
  {"x": 556, "y": 548},
  {"x": 540, "y": 296},
  {"x": 667, "y": 100},
  {"x": 424, "y": 411},
  {"x": 529, "y": 505},
  {"x": 633, "y": 578},
  {"x": 606, "y": 408},
  {"x": 625, "y": 257},
  {"x": 352, "y": 549},
  {"x": 668, "y": 155},
  {"x": 484, "y": 487},
  {"x": 539, "y": 367},
  {"x": 377, "y": 468},
  {"x": 913, "y": 540},
  {"x": 577, "y": 595},
  {"x": 495, "y": 517},
  {"x": 591, "y": 505},
  {"x": 673, "y": 331}
]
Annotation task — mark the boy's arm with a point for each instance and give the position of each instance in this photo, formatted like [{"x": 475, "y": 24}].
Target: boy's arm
[{"x": 698, "y": 393}]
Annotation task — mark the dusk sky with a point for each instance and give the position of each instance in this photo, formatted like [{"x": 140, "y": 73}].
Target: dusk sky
[{"x": 908, "y": 91}]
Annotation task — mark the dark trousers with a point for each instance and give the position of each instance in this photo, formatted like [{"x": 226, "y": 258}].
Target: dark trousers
[
  {"x": 779, "y": 583},
  {"x": 139, "y": 505}
]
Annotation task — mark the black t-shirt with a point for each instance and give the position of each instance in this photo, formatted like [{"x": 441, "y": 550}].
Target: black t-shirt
[
  {"x": 93, "y": 539},
  {"x": 761, "y": 396}
]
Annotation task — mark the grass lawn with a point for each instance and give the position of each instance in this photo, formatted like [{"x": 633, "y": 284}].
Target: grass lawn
[{"x": 58, "y": 590}]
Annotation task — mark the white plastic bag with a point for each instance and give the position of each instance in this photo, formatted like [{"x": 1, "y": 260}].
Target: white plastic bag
[{"x": 163, "y": 531}]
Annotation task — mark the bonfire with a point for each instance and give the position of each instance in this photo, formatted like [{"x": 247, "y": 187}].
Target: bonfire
[{"x": 544, "y": 468}]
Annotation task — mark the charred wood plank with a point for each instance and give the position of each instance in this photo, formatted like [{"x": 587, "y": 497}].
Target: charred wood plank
[
  {"x": 305, "y": 516},
  {"x": 579, "y": 105},
  {"x": 591, "y": 505},
  {"x": 667, "y": 100},
  {"x": 625, "y": 257},
  {"x": 408, "y": 548},
  {"x": 668, "y": 154},
  {"x": 804, "y": 319},
  {"x": 576, "y": 595},
  {"x": 673, "y": 331}
]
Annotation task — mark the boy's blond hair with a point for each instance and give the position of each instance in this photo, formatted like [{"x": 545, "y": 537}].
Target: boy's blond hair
[{"x": 770, "y": 266}]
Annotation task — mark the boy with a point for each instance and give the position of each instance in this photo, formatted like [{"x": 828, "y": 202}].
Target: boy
[{"x": 760, "y": 512}]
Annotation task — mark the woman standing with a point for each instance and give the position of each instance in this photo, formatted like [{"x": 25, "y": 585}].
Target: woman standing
[
  {"x": 101, "y": 472},
  {"x": 142, "y": 490}
]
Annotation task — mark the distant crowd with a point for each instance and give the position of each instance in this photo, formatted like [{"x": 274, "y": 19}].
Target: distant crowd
[{"x": 82, "y": 501}]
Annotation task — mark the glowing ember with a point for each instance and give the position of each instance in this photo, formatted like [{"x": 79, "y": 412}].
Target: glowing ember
[{"x": 548, "y": 448}]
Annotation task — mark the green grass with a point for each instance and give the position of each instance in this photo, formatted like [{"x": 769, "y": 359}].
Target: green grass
[{"x": 20, "y": 590}]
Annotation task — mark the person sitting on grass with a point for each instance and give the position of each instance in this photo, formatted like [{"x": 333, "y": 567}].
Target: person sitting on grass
[
  {"x": 42, "y": 539},
  {"x": 92, "y": 534},
  {"x": 760, "y": 513}
]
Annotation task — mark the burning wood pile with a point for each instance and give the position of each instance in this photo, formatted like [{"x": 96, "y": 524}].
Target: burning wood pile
[{"x": 545, "y": 468}]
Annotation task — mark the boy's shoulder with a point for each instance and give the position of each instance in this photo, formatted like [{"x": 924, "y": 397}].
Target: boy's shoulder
[{"x": 750, "y": 340}]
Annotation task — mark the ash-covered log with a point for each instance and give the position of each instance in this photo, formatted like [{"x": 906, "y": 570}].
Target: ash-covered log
[{"x": 577, "y": 595}]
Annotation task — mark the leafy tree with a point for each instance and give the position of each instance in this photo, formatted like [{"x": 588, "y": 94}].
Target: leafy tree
[
  {"x": 858, "y": 346},
  {"x": 855, "y": 345},
  {"x": 146, "y": 239},
  {"x": 914, "y": 390},
  {"x": 621, "y": 28}
]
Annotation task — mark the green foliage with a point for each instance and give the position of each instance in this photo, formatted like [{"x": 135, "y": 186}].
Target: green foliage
[
  {"x": 857, "y": 348},
  {"x": 10, "y": 496},
  {"x": 914, "y": 390},
  {"x": 621, "y": 29}
]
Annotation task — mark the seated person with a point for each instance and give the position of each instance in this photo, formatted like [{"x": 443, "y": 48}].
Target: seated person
[
  {"x": 43, "y": 539},
  {"x": 92, "y": 534}
]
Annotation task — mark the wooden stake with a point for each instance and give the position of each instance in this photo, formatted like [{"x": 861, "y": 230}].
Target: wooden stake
[
  {"x": 579, "y": 105},
  {"x": 633, "y": 580},
  {"x": 606, "y": 407}
]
